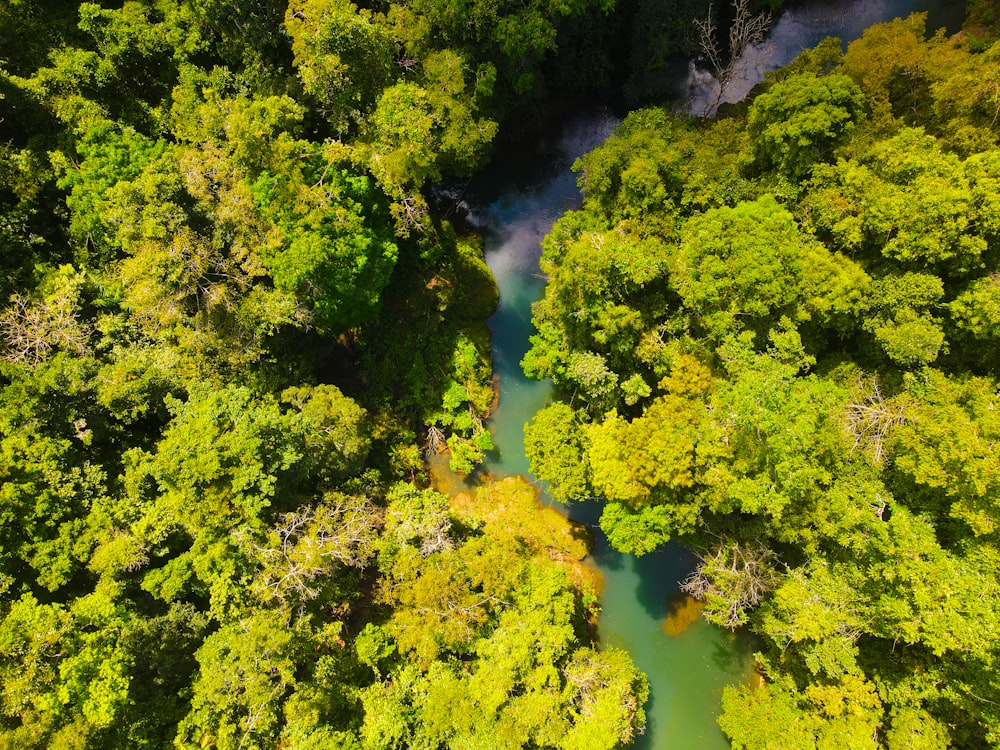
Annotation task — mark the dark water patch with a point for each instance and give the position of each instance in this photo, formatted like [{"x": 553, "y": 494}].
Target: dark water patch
[{"x": 801, "y": 26}]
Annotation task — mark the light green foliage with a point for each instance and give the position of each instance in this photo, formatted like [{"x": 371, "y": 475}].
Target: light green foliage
[
  {"x": 900, "y": 318},
  {"x": 906, "y": 199},
  {"x": 23, "y": 226},
  {"x": 343, "y": 57},
  {"x": 73, "y": 664},
  {"x": 258, "y": 654},
  {"x": 635, "y": 173},
  {"x": 799, "y": 120},
  {"x": 419, "y": 132},
  {"x": 968, "y": 98},
  {"x": 585, "y": 262},
  {"x": 228, "y": 317},
  {"x": 225, "y": 459},
  {"x": 784, "y": 441},
  {"x": 945, "y": 444},
  {"x": 841, "y": 714},
  {"x": 648, "y": 459},
  {"x": 250, "y": 445},
  {"x": 102, "y": 75},
  {"x": 109, "y": 154},
  {"x": 494, "y": 658},
  {"x": 895, "y": 64},
  {"x": 609, "y": 691},
  {"x": 467, "y": 398},
  {"x": 768, "y": 396},
  {"x": 514, "y": 39},
  {"x": 748, "y": 266},
  {"x": 915, "y": 728},
  {"x": 333, "y": 245},
  {"x": 819, "y": 611},
  {"x": 553, "y": 443},
  {"x": 511, "y": 507},
  {"x": 977, "y": 309},
  {"x": 637, "y": 532},
  {"x": 711, "y": 170},
  {"x": 338, "y": 440},
  {"x": 765, "y": 718},
  {"x": 50, "y": 480},
  {"x": 741, "y": 262}
]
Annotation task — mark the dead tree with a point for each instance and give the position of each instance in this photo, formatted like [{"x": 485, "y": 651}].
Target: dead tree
[
  {"x": 745, "y": 30},
  {"x": 733, "y": 581},
  {"x": 870, "y": 417},
  {"x": 30, "y": 330}
]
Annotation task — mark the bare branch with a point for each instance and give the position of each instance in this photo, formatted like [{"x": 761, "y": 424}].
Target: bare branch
[
  {"x": 870, "y": 417},
  {"x": 313, "y": 540},
  {"x": 746, "y": 30},
  {"x": 733, "y": 581},
  {"x": 31, "y": 330}
]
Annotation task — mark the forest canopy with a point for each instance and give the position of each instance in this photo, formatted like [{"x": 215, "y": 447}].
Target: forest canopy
[
  {"x": 234, "y": 321},
  {"x": 237, "y": 316},
  {"x": 774, "y": 338}
]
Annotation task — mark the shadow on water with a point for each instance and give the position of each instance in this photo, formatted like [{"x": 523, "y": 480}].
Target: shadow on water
[
  {"x": 659, "y": 575},
  {"x": 606, "y": 557},
  {"x": 736, "y": 653},
  {"x": 645, "y": 740}
]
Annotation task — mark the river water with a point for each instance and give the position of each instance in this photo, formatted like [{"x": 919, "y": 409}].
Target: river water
[
  {"x": 803, "y": 25},
  {"x": 516, "y": 206}
]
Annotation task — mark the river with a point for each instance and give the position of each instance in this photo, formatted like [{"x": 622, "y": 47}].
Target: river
[{"x": 515, "y": 205}]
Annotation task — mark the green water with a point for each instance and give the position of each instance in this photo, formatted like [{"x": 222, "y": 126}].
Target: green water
[{"x": 516, "y": 206}]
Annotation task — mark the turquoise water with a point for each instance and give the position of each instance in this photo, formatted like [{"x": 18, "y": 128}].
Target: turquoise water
[{"x": 687, "y": 671}]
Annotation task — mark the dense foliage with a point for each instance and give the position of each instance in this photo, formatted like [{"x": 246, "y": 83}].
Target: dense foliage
[
  {"x": 777, "y": 336},
  {"x": 232, "y": 324}
]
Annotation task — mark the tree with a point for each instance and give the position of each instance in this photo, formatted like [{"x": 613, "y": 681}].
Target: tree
[
  {"x": 332, "y": 244},
  {"x": 733, "y": 581},
  {"x": 736, "y": 264},
  {"x": 307, "y": 546},
  {"x": 420, "y": 132},
  {"x": 519, "y": 671},
  {"x": 553, "y": 443},
  {"x": 31, "y": 329},
  {"x": 247, "y": 670},
  {"x": 745, "y": 30},
  {"x": 224, "y": 460},
  {"x": 905, "y": 200},
  {"x": 636, "y": 171},
  {"x": 799, "y": 120},
  {"x": 344, "y": 57},
  {"x": 895, "y": 64},
  {"x": 338, "y": 438}
]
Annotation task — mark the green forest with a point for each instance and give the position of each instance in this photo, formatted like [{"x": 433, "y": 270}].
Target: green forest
[
  {"x": 776, "y": 336},
  {"x": 237, "y": 317}
]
